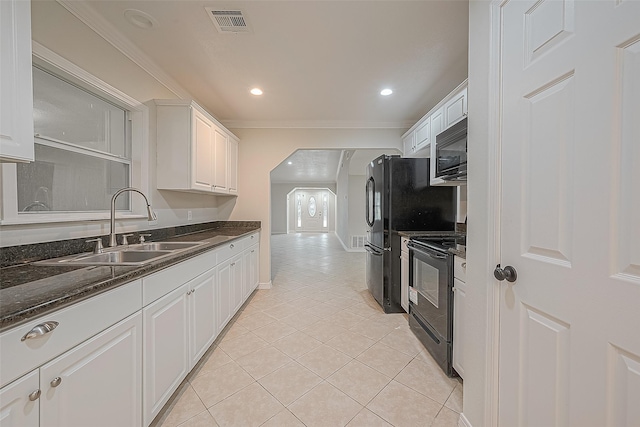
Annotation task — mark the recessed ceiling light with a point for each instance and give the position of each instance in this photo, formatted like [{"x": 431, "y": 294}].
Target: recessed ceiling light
[
  {"x": 140, "y": 19},
  {"x": 289, "y": 163},
  {"x": 256, "y": 91},
  {"x": 386, "y": 92}
]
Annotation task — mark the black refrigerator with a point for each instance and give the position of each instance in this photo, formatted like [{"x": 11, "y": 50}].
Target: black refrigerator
[{"x": 399, "y": 198}]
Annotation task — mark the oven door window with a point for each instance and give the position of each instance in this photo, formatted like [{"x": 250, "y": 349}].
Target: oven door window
[{"x": 426, "y": 280}]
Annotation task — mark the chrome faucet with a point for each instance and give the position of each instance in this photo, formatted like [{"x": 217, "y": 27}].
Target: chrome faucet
[{"x": 151, "y": 215}]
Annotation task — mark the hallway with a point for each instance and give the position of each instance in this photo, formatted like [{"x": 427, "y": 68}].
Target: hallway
[{"x": 315, "y": 350}]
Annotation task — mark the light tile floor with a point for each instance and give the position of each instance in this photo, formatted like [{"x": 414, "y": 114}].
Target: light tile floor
[{"x": 315, "y": 350}]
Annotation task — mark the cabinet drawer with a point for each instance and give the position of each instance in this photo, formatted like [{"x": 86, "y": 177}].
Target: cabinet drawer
[
  {"x": 251, "y": 240},
  {"x": 460, "y": 268},
  {"x": 230, "y": 249},
  {"x": 161, "y": 283},
  {"x": 76, "y": 324}
]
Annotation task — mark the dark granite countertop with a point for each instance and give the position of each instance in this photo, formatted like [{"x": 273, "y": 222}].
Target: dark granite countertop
[{"x": 28, "y": 289}]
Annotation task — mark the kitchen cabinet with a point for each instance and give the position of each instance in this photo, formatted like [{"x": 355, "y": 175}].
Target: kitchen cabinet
[
  {"x": 232, "y": 166},
  {"x": 193, "y": 149},
  {"x": 96, "y": 383},
  {"x": 404, "y": 273},
  {"x": 166, "y": 349},
  {"x": 229, "y": 294},
  {"x": 178, "y": 329},
  {"x": 459, "y": 317},
  {"x": 252, "y": 269},
  {"x": 16, "y": 102},
  {"x": 20, "y": 402},
  {"x": 420, "y": 139}
]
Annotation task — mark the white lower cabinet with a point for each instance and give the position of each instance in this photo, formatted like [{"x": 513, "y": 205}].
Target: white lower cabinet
[
  {"x": 459, "y": 317},
  {"x": 251, "y": 270},
  {"x": 20, "y": 402},
  {"x": 230, "y": 295},
  {"x": 202, "y": 315},
  {"x": 97, "y": 383},
  {"x": 166, "y": 349}
]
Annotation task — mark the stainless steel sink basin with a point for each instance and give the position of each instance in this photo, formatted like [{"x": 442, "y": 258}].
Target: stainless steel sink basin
[
  {"x": 131, "y": 255},
  {"x": 164, "y": 246}
]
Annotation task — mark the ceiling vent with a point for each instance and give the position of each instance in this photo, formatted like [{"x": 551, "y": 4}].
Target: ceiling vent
[{"x": 229, "y": 21}]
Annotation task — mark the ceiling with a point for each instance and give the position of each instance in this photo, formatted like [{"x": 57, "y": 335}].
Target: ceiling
[
  {"x": 319, "y": 63},
  {"x": 321, "y": 166}
]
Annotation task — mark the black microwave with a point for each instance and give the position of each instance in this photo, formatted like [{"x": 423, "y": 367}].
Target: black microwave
[{"x": 451, "y": 152}]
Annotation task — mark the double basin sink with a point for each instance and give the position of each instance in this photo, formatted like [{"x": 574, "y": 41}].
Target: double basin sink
[{"x": 132, "y": 255}]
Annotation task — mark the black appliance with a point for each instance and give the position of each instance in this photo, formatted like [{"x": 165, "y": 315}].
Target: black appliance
[
  {"x": 451, "y": 152},
  {"x": 399, "y": 198},
  {"x": 431, "y": 295}
]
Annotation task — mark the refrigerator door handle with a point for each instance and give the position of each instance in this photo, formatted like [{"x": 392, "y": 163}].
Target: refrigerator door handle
[
  {"x": 372, "y": 250},
  {"x": 370, "y": 190}
]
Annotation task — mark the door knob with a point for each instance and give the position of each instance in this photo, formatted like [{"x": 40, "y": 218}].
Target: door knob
[{"x": 509, "y": 273}]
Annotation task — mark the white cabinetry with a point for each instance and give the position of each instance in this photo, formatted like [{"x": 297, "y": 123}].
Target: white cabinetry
[
  {"x": 251, "y": 268},
  {"x": 232, "y": 166},
  {"x": 459, "y": 301},
  {"x": 16, "y": 102},
  {"x": 192, "y": 149},
  {"x": 420, "y": 140},
  {"x": 107, "y": 368},
  {"x": 20, "y": 402},
  {"x": 96, "y": 383},
  {"x": 404, "y": 274}
]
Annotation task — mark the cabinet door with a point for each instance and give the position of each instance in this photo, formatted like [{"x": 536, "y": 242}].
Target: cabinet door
[
  {"x": 407, "y": 143},
  {"x": 459, "y": 295},
  {"x": 237, "y": 288},
  {"x": 220, "y": 172},
  {"x": 455, "y": 109},
  {"x": 223, "y": 294},
  {"x": 97, "y": 383},
  {"x": 16, "y": 102},
  {"x": 250, "y": 263},
  {"x": 232, "y": 167},
  {"x": 202, "y": 152},
  {"x": 203, "y": 326},
  {"x": 166, "y": 347},
  {"x": 404, "y": 280},
  {"x": 423, "y": 134},
  {"x": 16, "y": 407}
]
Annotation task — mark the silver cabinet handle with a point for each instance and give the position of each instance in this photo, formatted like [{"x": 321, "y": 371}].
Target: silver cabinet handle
[
  {"x": 193, "y": 291},
  {"x": 40, "y": 330},
  {"x": 189, "y": 293},
  {"x": 253, "y": 237},
  {"x": 34, "y": 395},
  {"x": 253, "y": 251},
  {"x": 231, "y": 246},
  {"x": 56, "y": 382},
  {"x": 464, "y": 265}
]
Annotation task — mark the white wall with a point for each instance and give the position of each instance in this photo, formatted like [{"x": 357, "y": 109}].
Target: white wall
[
  {"x": 342, "y": 204},
  {"x": 261, "y": 150},
  {"x": 83, "y": 47},
  {"x": 357, "y": 198},
  {"x": 475, "y": 405}
]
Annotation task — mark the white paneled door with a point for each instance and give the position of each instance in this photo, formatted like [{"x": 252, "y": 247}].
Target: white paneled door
[{"x": 570, "y": 221}]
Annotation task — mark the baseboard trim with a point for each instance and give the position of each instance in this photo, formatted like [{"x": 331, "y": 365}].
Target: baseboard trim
[
  {"x": 267, "y": 285},
  {"x": 463, "y": 421}
]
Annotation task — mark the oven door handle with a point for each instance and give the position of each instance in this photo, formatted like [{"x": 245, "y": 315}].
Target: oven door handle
[{"x": 425, "y": 252}]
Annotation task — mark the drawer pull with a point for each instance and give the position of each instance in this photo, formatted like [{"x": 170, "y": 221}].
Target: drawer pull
[
  {"x": 231, "y": 246},
  {"x": 464, "y": 265},
  {"x": 253, "y": 237},
  {"x": 189, "y": 293},
  {"x": 34, "y": 395},
  {"x": 56, "y": 382},
  {"x": 40, "y": 330}
]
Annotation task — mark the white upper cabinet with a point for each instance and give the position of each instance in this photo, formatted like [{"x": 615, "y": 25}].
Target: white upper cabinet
[
  {"x": 193, "y": 149},
  {"x": 232, "y": 166},
  {"x": 16, "y": 102},
  {"x": 456, "y": 108},
  {"x": 420, "y": 140}
]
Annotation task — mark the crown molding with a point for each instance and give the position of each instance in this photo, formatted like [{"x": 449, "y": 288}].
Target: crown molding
[
  {"x": 104, "y": 29},
  {"x": 314, "y": 124}
]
